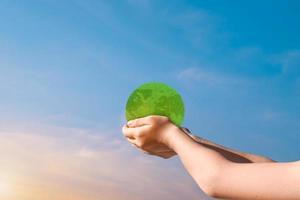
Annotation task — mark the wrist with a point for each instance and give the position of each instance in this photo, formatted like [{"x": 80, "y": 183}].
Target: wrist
[{"x": 173, "y": 135}]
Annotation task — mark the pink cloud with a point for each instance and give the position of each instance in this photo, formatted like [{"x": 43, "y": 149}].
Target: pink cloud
[{"x": 82, "y": 164}]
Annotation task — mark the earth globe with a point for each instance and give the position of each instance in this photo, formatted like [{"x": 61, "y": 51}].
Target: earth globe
[{"x": 155, "y": 98}]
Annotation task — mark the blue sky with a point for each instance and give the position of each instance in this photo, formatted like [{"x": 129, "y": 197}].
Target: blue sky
[{"x": 67, "y": 68}]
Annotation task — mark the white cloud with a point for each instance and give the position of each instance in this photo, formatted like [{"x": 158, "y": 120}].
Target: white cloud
[
  {"x": 291, "y": 62},
  {"x": 86, "y": 153},
  {"x": 270, "y": 115},
  {"x": 201, "y": 28},
  {"x": 194, "y": 75},
  {"x": 248, "y": 65},
  {"x": 197, "y": 74},
  {"x": 65, "y": 163}
]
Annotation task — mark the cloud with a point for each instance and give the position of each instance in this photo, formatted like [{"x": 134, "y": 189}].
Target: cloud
[
  {"x": 247, "y": 65},
  {"x": 66, "y": 163},
  {"x": 270, "y": 115},
  {"x": 86, "y": 153},
  {"x": 202, "y": 29},
  {"x": 255, "y": 62},
  {"x": 195, "y": 75},
  {"x": 290, "y": 62}
]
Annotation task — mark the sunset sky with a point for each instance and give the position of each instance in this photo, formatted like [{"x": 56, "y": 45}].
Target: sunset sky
[{"x": 68, "y": 67}]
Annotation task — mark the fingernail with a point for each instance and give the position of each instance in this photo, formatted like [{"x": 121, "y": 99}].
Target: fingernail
[{"x": 129, "y": 123}]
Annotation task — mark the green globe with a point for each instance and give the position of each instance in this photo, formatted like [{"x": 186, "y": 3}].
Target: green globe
[{"x": 155, "y": 98}]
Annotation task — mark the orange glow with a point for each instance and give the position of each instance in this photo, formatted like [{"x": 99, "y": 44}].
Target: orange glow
[{"x": 45, "y": 167}]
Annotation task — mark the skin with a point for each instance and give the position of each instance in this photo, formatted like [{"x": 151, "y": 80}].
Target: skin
[{"x": 219, "y": 171}]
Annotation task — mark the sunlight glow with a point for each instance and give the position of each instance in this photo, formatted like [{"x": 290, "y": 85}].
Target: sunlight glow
[{"x": 4, "y": 188}]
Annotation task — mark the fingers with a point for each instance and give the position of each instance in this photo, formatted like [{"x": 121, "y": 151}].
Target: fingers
[
  {"x": 154, "y": 149},
  {"x": 158, "y": 148},
  {"x": 167, "y": 155},
  {"x": 148, "y": 120},
  {"x": 163, "y": 153},
  {"x": 133, "y": 143},
  {"x": 128, "y": 132},
  {"x": 136, "y": 132},
  {"x": 135, "y": 135},
  {"x": 130, "y": 140},
  {"x": 139, "y": 122}
]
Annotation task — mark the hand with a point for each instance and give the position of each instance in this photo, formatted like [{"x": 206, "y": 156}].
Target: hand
[{"x": 150, "y": 134}]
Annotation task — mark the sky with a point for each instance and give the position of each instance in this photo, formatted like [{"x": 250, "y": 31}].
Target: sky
[{"x": 68, "y": 67}]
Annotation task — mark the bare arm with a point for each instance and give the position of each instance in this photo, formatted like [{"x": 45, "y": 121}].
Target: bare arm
[
  {"x": 220, "y": 177},
  {"x": 230, "y": 154},
  {"x": 213, "y": 172}
]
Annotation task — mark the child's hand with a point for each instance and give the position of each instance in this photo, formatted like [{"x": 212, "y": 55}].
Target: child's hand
[{"x": 150, "y": 134}]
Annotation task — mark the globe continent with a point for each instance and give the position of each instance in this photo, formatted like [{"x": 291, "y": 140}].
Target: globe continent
[{"x": 155, "y": 98}]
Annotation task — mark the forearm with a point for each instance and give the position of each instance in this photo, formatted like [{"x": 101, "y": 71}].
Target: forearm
[
  {"x": 231, "y": 154},
  {"x": 259, "y": 181},
  {"x": 219, "y": 177},
  {"x": 202, "y": 163}
]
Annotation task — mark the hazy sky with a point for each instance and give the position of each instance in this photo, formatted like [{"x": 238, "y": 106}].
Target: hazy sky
[{"x": 68, "y": 67}]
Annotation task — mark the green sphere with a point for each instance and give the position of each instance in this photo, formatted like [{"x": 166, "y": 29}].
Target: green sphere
[{"x": 155, "y": 98}]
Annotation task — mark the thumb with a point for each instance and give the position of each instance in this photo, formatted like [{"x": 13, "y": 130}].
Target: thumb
[{"x": 137, "y": 122}]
